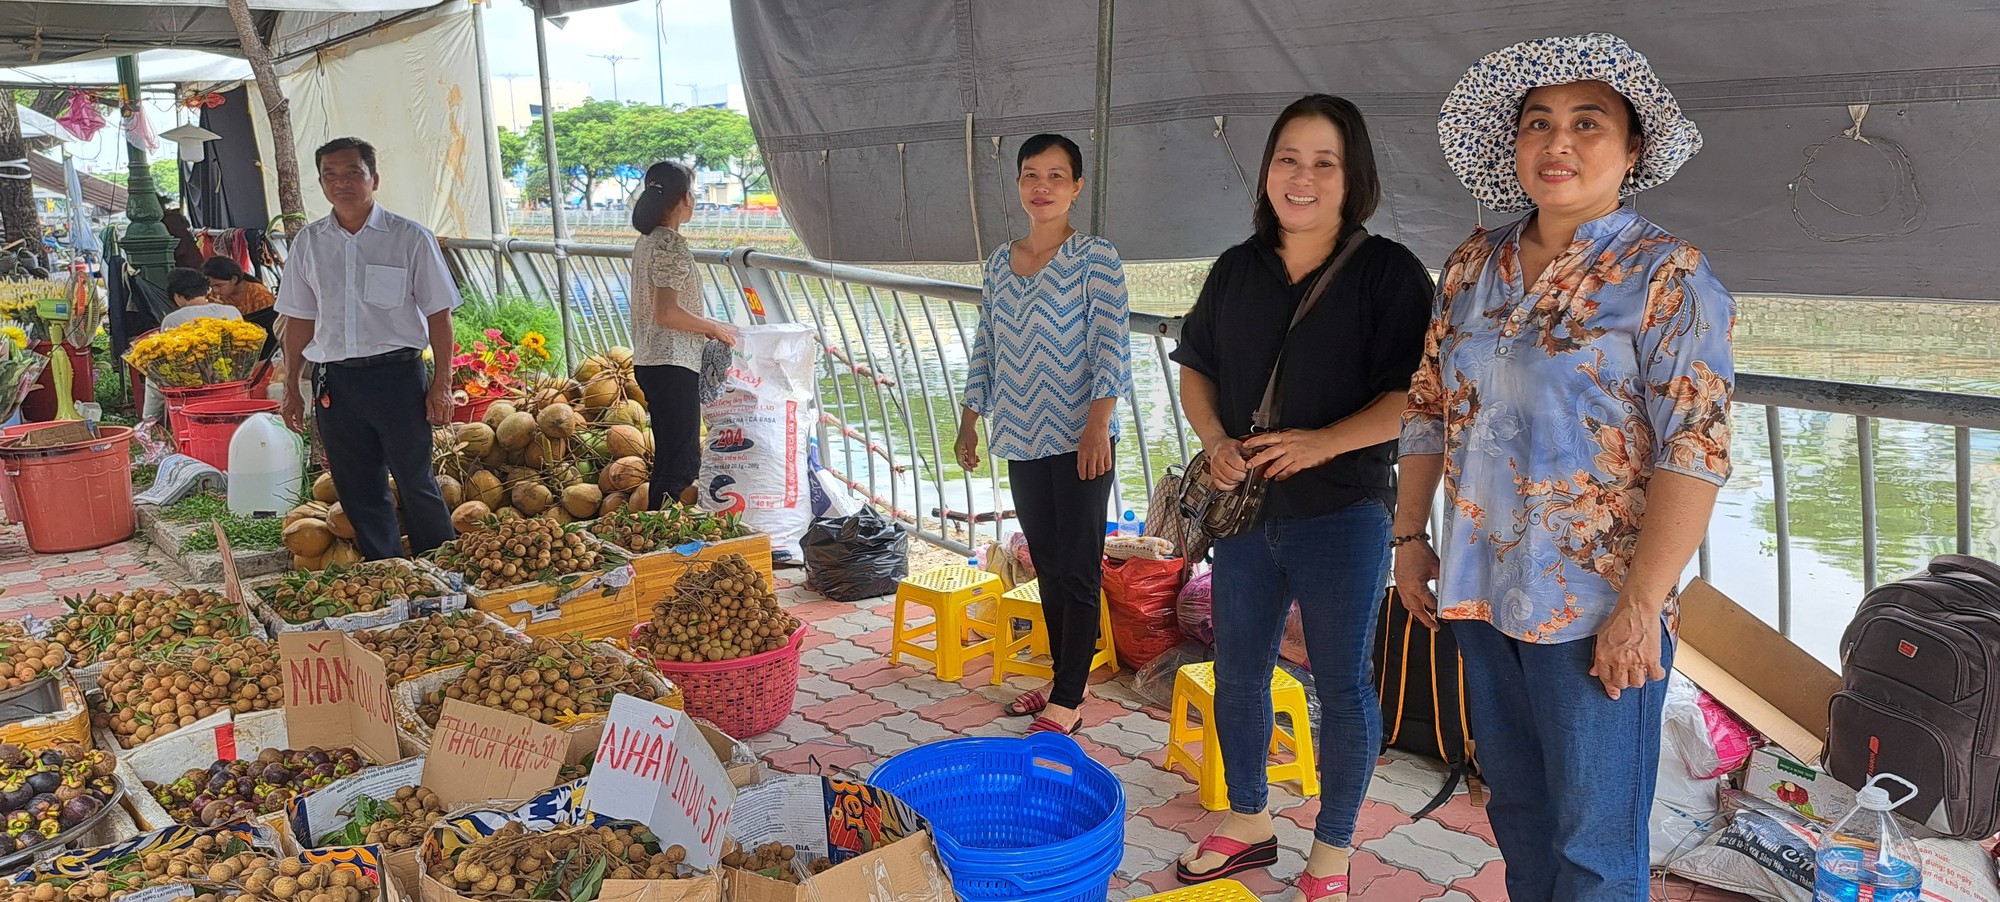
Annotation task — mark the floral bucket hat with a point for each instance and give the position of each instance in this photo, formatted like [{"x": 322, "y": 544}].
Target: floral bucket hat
[{"x": 1478, "y": 122}]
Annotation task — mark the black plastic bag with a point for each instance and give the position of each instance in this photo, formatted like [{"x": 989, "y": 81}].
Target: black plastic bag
[{"x": 851, "y": 558}]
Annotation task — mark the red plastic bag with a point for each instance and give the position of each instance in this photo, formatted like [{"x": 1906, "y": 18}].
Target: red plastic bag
[{"x": 1141, "y": 594}]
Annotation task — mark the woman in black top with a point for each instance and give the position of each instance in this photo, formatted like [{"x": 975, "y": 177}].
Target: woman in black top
[{"x": 1323, "y": 535}]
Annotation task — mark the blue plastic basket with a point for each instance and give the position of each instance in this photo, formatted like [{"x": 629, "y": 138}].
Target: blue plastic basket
[
  {"x": 1014, "y": 818},
  {"x": 1088, "y": 882}
]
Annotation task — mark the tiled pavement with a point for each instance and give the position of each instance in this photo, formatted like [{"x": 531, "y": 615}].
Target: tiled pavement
[{"x": 854, "y": 710}]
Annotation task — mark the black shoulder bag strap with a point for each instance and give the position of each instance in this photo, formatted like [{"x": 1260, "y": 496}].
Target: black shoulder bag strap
[{"x": 1267, "y": 412}]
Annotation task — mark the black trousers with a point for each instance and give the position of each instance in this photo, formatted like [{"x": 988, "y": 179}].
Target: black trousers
[
  {"x": 1063, "y": 518},
  {"x": 673, "y": 400},
  {"x": 373, "y": 424}
]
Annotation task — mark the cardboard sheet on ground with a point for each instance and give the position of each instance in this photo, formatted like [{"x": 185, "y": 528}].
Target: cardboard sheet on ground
[
  {"x": 654, "y": 767},
  {"x": 337, "y": 694},
  {"x": 1754, "y": 671}
]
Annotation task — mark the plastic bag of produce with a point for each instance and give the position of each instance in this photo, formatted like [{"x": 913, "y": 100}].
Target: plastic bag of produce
[
  {"x": 1764, "y": 851},
  {"x": 851, "y": 558},
  {"x": 1142, "y": 594},
  {"x": 1155, "y": 681},
  {"x": 1685, "y": 799},
  {"x": 755, "y": 460}
]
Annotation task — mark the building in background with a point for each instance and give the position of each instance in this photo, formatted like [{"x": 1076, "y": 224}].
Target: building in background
[{"x": 517, "y": 99}]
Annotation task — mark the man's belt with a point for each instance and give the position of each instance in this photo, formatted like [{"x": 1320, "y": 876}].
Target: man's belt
[{"x": 401, "y": 355}]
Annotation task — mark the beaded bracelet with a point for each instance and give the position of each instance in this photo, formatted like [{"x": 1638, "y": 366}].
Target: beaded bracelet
[{"x": 1400, "y": 541}]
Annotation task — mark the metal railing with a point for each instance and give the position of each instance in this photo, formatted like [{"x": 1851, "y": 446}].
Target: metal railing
[
  {"x": 621, "y": 220},
  {"x": 894, "y": 349}
]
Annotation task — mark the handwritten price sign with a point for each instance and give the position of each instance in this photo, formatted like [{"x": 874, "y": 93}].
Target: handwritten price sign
[
  {"x": 653, "y": 766},
  {"x": 336, "y": 694}
]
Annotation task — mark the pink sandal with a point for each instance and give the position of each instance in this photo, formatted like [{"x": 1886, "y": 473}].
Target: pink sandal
[
  {"x": 1317, "y": 888},
  {"x": 1045, "y": 725},
  {"x": 1030, "y": 702},
  {"x": 1238, "y": 856}
]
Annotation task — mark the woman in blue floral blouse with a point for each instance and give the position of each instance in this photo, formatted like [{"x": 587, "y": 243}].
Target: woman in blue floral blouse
[{"x": 1574, "y": 400}]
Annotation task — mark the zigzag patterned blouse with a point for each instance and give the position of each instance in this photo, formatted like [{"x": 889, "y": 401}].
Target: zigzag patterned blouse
[{"x": 1048, "y": 345}]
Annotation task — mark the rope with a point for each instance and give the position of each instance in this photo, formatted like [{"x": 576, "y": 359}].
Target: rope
[
  {"x": 1222, "y": 133},
  {"x": 1907, "y": 202}
]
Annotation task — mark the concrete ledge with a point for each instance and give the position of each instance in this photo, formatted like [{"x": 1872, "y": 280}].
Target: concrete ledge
[{"x": 204, "y": 567}]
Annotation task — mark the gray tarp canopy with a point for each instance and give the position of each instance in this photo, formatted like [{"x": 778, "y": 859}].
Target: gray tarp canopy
[
  {"x": 874, "y": 114},
  {"x": 51, "y": 31}
]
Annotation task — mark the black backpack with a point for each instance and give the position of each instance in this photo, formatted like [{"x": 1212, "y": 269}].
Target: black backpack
[
  {"x": 1919, "y": 667},
  {"x": 1420, "y": 679}
]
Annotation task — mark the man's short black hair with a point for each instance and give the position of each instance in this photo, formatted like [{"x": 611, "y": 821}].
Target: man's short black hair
[
  {"x": 183, "y": 282},
  {"x": 337, "y": 145}
]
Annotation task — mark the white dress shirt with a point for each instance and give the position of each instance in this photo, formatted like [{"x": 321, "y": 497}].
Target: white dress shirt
[
  {"x": 370, "y": 292},
  {"x": 184, "y": 315}
]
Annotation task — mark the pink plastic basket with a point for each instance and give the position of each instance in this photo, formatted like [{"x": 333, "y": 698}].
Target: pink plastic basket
[{"x": 743, "y": 697}]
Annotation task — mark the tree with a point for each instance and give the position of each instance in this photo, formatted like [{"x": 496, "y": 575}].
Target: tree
[
  {"x": 17, "y": 194},
  {"x": 166, "y": 176},
  {"x": 649, "y": 134},
  {"x": 513, "y": 152},
  {"x": 587, "y": 145},
  {"x": 291, "y": 203},
  {"x": 723, "y": 142}
]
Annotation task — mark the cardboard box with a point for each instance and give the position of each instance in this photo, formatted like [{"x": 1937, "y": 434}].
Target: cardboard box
[
  {"x": 738, "y": 760},
  {"x": 396, "y": 611},
  {"x": 599, "y": 604},
  {"x": 366, "y": 860},
  {"x": 222, "y": 736},
  {"x": 559, "y": 807},
  {"x": 1782, "y": 780},
  {"x": 1754, "y": 671},
  {"x": 584, "y": 730},
  {"x": 511, "y": 632},
  {"x": 880, "y": 849},
  {"x": 655, "y": 572}
]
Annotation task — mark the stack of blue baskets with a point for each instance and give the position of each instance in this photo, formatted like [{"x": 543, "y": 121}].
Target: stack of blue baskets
[{"x": 1015, "y": 820}]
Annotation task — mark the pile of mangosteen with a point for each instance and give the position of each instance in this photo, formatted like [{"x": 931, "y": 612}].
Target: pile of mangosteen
[
  {"x": 231, "y": 791},
  {"x": 45, "y": 793}
]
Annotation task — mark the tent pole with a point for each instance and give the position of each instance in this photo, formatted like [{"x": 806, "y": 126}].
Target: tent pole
[
  {"x": 148, "y": 246},
  {"x": 495, "y": 210},
  {"x": 1101, "y": 146},
  {"x": 556, "y": 192}
]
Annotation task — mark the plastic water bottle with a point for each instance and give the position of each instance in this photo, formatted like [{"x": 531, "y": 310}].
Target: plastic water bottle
[
  {"x": 263, "y": 467},
  {"x": 1866, "y": 856},
  {"x": 1131, "y": 525}
]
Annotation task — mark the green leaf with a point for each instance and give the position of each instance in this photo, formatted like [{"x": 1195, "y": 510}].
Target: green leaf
[{"x": 584, "y": 888}]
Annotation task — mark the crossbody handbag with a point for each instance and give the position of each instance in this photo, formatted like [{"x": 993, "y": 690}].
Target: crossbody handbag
[{"x": 1222, "y": 513}]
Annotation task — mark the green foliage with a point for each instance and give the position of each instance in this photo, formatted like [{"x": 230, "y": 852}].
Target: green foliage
[
  {"x": 166, "y": 176},
  {"x": 513, "y": 151},
  {"x": 245, "y": 534},
  {"x": 514, "y": 316},
  {"x": 603, "y": 140}
]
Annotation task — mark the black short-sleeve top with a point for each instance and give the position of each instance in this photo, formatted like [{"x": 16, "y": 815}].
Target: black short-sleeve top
[{"x": 1363, "y": 339}]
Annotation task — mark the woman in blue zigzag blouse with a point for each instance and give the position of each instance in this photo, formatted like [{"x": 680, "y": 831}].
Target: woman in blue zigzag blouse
[{"x": 1049, "y": 362}]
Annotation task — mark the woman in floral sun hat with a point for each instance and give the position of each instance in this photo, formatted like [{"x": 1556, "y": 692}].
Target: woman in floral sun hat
[{"x": 1574, "y": 400}]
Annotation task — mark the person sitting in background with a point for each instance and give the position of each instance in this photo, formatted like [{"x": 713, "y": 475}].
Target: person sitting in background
[
  {"x": 228, "y": 283},
  {"x": 189, "y": 289}
]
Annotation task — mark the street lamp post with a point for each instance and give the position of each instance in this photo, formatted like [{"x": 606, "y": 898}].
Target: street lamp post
[{"x": 614, "y": 59}]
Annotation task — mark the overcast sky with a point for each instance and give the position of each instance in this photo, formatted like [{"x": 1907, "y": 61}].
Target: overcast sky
[{"x": 700, "y": 48}]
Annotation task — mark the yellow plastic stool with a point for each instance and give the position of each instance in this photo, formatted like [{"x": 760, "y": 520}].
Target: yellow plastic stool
[
  {"x": 1194, "y": 687},
  {"x": 1024, "y": 602},
  {"x": 1212, "y": 891},
  {"x": 949, "y": 592}
]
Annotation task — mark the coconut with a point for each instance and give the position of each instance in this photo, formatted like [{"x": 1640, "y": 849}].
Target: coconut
[
  {"x": 507, "y": 513},
  {"x": 308, "y": 562},
  {"x": 641, "y": 498},
  {"x": 623, "y": 474},
  {"x": 627, "y": 412},
  {"x": 515, "y": 431},
  {"x": 313, "y": 509},
  {"x": 538, "y": 453},
  {"x": 323, "y": 490},
  {"x": 624, "y": 441},
  {"x": 497, "y": 414},
  {"x": 560, "y": 515},
  {"x": 633, "y": 391},
  {"x": 611, "y": 503},
  {"x": 601, "y": 392},
  {"x": 477, "y": 439},
  {"x": 622, "y": 357},
  {"x": 589, "y": 368},
  {"x": 485, "y": 487},
  {"x": 450, "y": 489},
  {"x": 532, "y": 498},
  {"x": 470, "y": 516},
  {"x": 558, "y": 420},
  {"x": 336, "y": 520},
  {"x": 582, "y": 500},
  {"x": 308, "y": 536},
  {"x": 343, "y": 553}
]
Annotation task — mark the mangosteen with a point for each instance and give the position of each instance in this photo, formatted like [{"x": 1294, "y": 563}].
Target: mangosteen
[
  {"x": 270, "y": 756},
  {"x": 12, "y": 755},
  {"x": 214, "y": 814},
  {"x": 43, "y": 806},
  {"x": 15, "y": 797},
  {"x": 66, "y": 792},
  {"x": 71, "y": 750},
  {"x": 51, "y": 758},
  {"x": 20, "y": 822},
  {"x": 316, "y": 756},
  {"x": 7, "y": 845},
  {"x": 50, "y": 827},
  {"x": 102, "y": 764},
  {"x": 44, "y": 782},
  {"x": 220, "y": 767},
  {"x": 220, "y": 783},
  {"x": 103, "y": 786},
  {"x": 77, "y": 810},
  {"x": 30, "y": 839},
  {"x": 275, "y": 774},
  {"x": 194, "y": 777}
]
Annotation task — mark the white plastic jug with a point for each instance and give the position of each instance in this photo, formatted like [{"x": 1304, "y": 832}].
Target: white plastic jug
[{"x": 264, "y": 466}]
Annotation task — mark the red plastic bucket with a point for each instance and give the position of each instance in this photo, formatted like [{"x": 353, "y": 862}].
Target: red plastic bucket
[
  {"x": 10, "y": 502},
  {"x": 74, "y": 497},
  {"x": 471, "y": 411},
  {"x": 178, "y": 400},
  {"x": 40, "y": 405},
  {"x": 210, "y": 425}
]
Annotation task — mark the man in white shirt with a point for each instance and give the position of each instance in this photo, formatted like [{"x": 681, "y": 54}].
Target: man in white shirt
[{"x": 365, "y": 291}]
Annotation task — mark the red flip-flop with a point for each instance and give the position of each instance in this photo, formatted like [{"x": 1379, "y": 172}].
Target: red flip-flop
[
  {"x": 1045, "y": 725},
  {"x": 1031, "y": 702},
  {"x": 1239, "y": 857},
  {"x": 1317, "y": 888}
]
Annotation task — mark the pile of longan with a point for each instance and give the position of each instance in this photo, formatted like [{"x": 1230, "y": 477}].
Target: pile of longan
[
  {"x": 511, "y": 862},
  {"x": 151, "y": 698},
  {"x": 519, "y": 551},
  {"x": 777, "y": 861},
  {"x": 440, "y": 640},
  {"x": 544, "y": 681},
  {"x": 402, "y": 820},
  {"x": 718, "y": 612},
  {"x": 126, "y": 624},
  {"x": 24, "y": 659},
  {"x": 303, "y": 596}
]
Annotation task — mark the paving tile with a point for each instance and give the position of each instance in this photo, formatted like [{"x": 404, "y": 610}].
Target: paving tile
[
  {"x": 841, "y": 714},
  {"x": 958, "y": 712},
  {"x": 903, "y": 697},
  {"x": 1148, "y": 848},
  {"x": 1370, "y": 877},
  {"x": 1147, "y": 786},
  {"x": 876, "y": 737},
  {"x": 919, "y": 730},
  {"x": 870, "y": 673},
  {"x": 1489, "y": 885},
  {"x": 1440, "y": 855}
]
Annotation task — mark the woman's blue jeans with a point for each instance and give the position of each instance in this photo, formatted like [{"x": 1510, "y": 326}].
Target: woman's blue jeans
[
  {"x": 1335, "y": 566},
  {"x": 1571, "y": 771}
]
